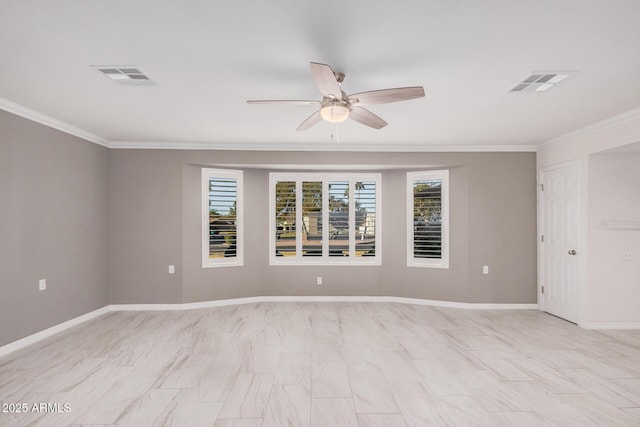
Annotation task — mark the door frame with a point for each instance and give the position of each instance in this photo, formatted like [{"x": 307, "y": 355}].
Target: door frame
[{"x": 581, "y": 243}]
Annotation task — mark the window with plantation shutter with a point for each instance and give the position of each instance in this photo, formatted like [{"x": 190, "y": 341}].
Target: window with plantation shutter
[
  {"x": 285, "y": 215},
  {"x": 222, "y": 243},
  {"x": 324, "y": 218},
  {"x": 428, "y": 219}
]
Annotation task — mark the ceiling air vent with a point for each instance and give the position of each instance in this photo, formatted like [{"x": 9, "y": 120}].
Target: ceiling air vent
[
  {"x": 128, "y": 75},
  {"x": 541, "y": 81}
]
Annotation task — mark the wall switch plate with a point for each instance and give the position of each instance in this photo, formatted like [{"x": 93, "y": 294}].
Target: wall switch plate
[
  {"x": 42, "y": 284},
  {"x": 172, "y": 269},
  {"x": 626, "y": 256},
  {"x": 485, "y": 269},
  {"x": 318, "y": 280}
]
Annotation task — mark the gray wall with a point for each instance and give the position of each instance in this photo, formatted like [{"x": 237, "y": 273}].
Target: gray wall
[
  {"x": 103, "y": 225},
  {"x": 145, "y": 226},
  {"x": 53, "y": 225},
  {"x": 155, "y": 221}
]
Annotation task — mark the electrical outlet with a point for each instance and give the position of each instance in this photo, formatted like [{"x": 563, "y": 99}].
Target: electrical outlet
[
  {"x": 42, "y": 284},
  {"x": 172, "y": 269},
  {"x": 485, "y": 269},
  {"x": 318, "y": 280},
  {"x": 626, "y": 256}
]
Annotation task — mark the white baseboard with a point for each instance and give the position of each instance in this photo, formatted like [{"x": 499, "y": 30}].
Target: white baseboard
[
  {"x": 609, "y": 325},
  {"x": 251, "y": 300},
  {"x": 464, "y": 305},
  {"x": 39, "y": 336},
  {"x": 32, "y": 339}
]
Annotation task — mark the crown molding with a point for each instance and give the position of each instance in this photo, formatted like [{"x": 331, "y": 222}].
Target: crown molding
[
  {"x": 175, "y": 145},
  {"x": 45, "y": 120},
  {"x": 594, "y": 127},
  {"x": 27, "y": 113}
]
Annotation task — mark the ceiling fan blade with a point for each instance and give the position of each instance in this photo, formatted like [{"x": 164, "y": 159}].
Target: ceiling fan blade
[
  {"x": 282, "y": 101},
  {"x": 326, "y": 80},
  {"x": 367, "y": 118},
  {"x": 310, "y": 121},
  {"x": 385, "y": 96}
]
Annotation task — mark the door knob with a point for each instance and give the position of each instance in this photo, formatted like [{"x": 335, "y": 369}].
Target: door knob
[{"x": 572, "y": 252}]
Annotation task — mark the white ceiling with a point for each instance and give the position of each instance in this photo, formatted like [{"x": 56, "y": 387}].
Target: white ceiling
[{"x": 209, "y": 57}]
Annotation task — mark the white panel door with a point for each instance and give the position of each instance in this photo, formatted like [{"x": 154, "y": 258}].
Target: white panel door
[{"x": 560, "y": 228}]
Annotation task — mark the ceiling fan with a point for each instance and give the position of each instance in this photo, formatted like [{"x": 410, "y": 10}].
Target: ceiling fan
[{"x": 336, "y": 106}]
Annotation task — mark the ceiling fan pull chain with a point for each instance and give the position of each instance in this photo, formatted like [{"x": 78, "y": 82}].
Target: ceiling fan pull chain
[{"x": 334, "y": 134}]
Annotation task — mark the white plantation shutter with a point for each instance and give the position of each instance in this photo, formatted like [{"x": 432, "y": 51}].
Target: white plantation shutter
[
  {"x": 366, "y": 219},
  {"x": 223, "y": 195},
  {"x": 312, "y": 218},
  {"x": 285, "y": 211},
  {"x": 428, "y": 219},
  {"x": 339, "y": 224},
  {"x": 324, "y": 218},
  {"x": 222, "y": 218}
]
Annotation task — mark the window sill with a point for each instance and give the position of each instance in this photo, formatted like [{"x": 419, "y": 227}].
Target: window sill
[
  {"x": 324, "y": 262},
  {"x": 223, "y": 264},
  {"x": 444, "y": 265}
]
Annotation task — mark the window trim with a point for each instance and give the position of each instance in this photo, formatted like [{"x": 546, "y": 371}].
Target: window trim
[
  {"x": 238, "y": 260},
  {"x": 325, "y": 178},
  {"x": 443, "y": 261}
]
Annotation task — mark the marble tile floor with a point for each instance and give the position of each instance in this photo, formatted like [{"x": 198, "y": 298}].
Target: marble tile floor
[{"x": 326, "y": 364}]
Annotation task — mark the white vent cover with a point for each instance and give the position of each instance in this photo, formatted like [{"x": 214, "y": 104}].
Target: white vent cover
[
  {"x": 540, "y": 81},
  {"x": 125, "y": 74}
]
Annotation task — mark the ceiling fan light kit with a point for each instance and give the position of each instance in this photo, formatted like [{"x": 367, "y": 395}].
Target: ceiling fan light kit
[
  {"x": 334, "y": 112},
  {"x": 337, "y": 106}
]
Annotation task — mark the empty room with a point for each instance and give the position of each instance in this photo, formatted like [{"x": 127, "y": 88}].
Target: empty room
[{"x": 361, "y": 213}]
